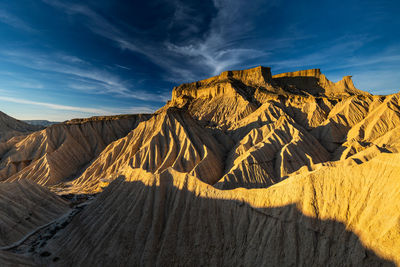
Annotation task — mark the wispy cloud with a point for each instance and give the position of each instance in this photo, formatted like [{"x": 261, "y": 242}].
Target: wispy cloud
[
  {"x": 14, "y": 80},
  {"x": 122, "y": 67},
  {"x": 29, "y": 85},
  {"x": 15, "y": 21},
  {"x": 97, "y": 81},
  {"x": 229, "y": 41},
  {"x": 54, "y": 106},
  {"x": 217, "y": 51},
  {"x": 85, "y": 110}
]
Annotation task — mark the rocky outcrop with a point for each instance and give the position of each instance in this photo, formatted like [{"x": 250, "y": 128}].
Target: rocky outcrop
[
  {"x": 225, "y": 99},
  {"x": 382, "y": 119},
  {"x": 228, "y": 83},
  {"x": 313, "y": 82}
]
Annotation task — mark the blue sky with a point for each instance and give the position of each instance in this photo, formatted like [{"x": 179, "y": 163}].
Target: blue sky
[{"x": 64, "y": 59}]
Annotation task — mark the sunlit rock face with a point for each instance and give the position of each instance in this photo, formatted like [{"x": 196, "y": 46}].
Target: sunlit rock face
[
  {"x": 244, "y": 168},
  {"x": 57, "y": 153}
]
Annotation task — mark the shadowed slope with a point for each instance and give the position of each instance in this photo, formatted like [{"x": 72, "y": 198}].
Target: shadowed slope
[
  {"x": 8, "y": 259},
  {"x": 10, "y": 127},
  {"x": 23, "y": 207},
  {"x": 175, "y": 219},
  {"x": 313, "y": 82},
  {"x": 342, "y": 117}
]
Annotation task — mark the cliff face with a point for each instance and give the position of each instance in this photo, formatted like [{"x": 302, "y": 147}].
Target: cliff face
[
  {"x": 245, "y": 83},
  {"x": 313, "y": 82},
  {"x": 228, "y": 83},
  {"x": 225, "y": 99},
  {"x": 257, "y": 134}
]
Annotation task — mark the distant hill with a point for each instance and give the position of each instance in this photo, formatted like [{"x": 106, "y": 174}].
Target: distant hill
[
  {"x": 10, "y": 127},
  {"x": 44, "y": 123}
]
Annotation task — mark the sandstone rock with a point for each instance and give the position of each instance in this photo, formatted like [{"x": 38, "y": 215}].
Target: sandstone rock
[
  {"x": 315, "y": 83},
  {"x": 169, "y": 139},
  {"x": 60, "y": 151},
  {"x": 332, "y": 217}
]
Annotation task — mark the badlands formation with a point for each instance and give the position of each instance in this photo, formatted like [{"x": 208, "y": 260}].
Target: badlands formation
[{"x": 241, "y": 169}]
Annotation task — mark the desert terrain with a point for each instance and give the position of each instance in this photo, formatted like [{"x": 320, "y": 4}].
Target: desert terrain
[{"x": 242, "y": 169}]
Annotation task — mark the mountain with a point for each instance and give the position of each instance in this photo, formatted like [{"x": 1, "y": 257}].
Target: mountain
[
  {"x": 55, "y": 154},
  {"x": 43, "y": 123},
  {"x": 171, "y": 138},
  {"x": 10, "y": 127},
  {"x": 244, "y": 168}
]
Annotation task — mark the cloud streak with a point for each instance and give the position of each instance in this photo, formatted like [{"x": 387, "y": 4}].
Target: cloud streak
[
  {"x": 15, "y": 22},
  {"x": 54, "y": 106},
  {"x": 183, "y": 62},
  {"x": 94, "y": 111},
  {"x": 98, "y": 81}
]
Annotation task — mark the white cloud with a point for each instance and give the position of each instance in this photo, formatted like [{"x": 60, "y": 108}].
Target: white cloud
[
  {"x": 14, "y": 80},
  {"x": 55, "y": 106},
  {"x": 78, "y": 111}
]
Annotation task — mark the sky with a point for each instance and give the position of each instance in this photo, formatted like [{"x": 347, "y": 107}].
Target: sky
[{"x": 62, "y": 59}]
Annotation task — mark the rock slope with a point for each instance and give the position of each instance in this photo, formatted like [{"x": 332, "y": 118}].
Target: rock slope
[
  {"x": 175, "y": 219},
  {"x": 59, "y": 152},
  {"x": 10, "y": 127},
  {"x": 169, "y": 139},
  {"x": 25, "y": 206}
]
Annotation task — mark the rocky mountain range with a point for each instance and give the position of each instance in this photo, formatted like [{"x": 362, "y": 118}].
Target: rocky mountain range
[{"x": 245, "y": 168}]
